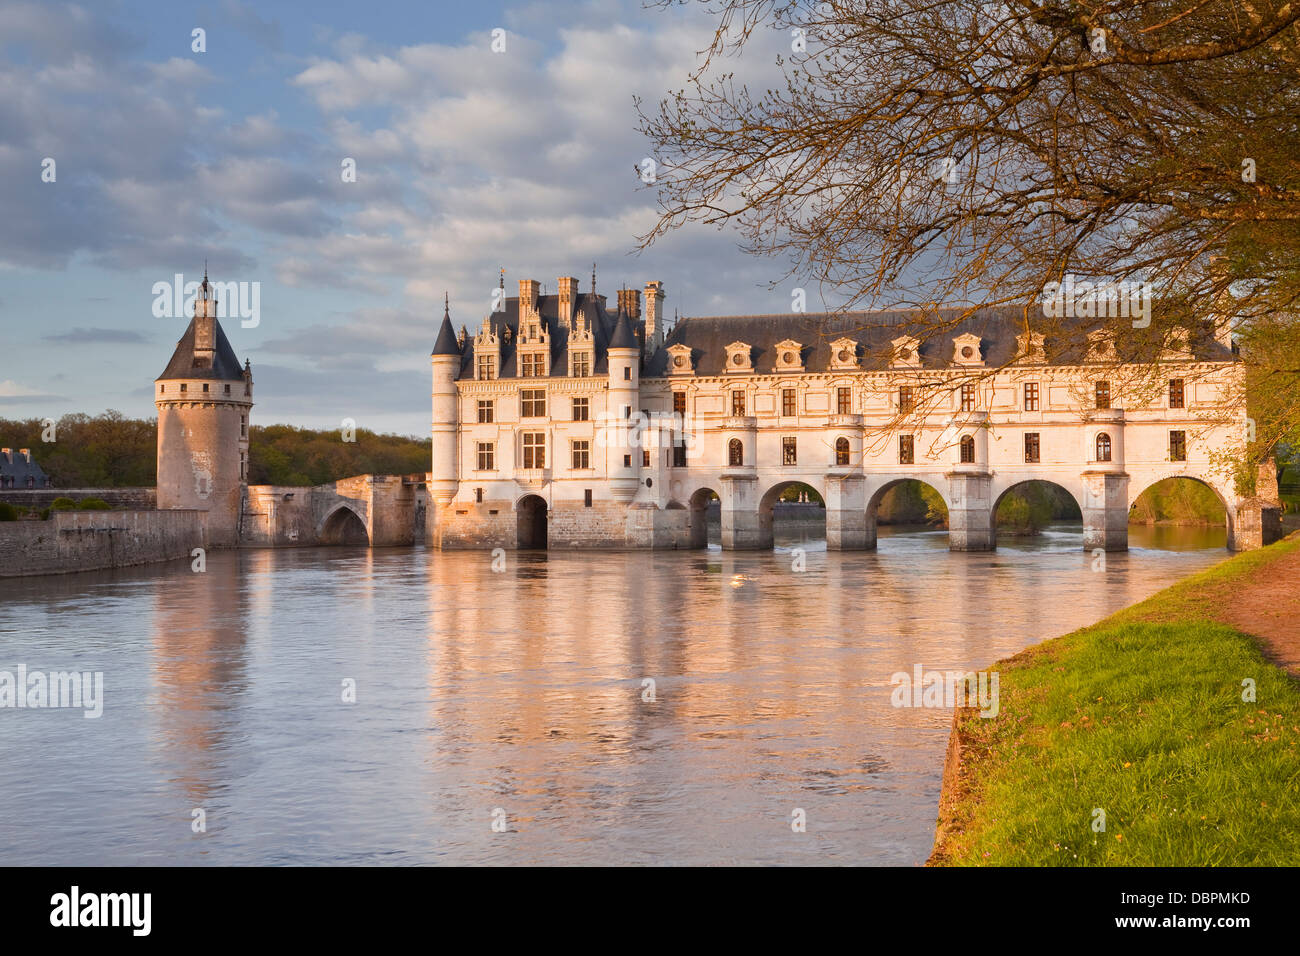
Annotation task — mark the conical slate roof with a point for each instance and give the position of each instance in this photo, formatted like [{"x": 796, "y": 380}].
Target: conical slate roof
[
  {"x": 225, "y": 364},
  {"x": 446, "y": 343},
  {"x": 624, "y": 337}
]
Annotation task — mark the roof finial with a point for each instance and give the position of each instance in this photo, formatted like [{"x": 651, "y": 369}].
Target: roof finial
[
  {"x": 503, "y": 277},
  {"x": 446, "y": 305},
  {"x": 593, "y": 278}
]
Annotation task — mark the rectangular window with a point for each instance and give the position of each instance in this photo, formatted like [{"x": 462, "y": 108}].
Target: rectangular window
[
  {"x": 737, "y": 401},
  {"x": 532, "y": 403},
  {"x": 487, "y": 367},
  {"x": 627, "y": 373},
  {"x": 679, "y": 455},
  {"x": 1178, "y": 446},
  {"x": 182, "y": 386},
  {"x": 1103, "y": 394},
  {"x": 586, "y": 498},
  {"x": 485, "y": 410},
  {"x": 534, "y": 450},
  {"x": 581, "y": 409},
  {"x": 1176, "y": 393},
  {"x": 581, "y": 364},
  {"x": 478, "y": 496},
  {"x": 907, "y": 399},
  {"x": 627, "y": 461},
  {"x": 968, "y": 398},
  {"x": 789, "y": 454},
  {"x": 787, "y": 402},
  {"x": 906, "y": 450},
  {"x": 581, "y": 455},
  {"x": 243, "y": 426},
  {"x": 1031, "y": 396},
  {"x": 645, "y": 457},
  {"x": 844, "y": 401},
  {"x": 227, "y": 389},
  {"x": 486, "y": 456},
  {"x": 205, "y": 386},
  {"x": 534, "y": 365},
  {"x": 1031, "y": 447},
  {"x": 679, "y": 404}
]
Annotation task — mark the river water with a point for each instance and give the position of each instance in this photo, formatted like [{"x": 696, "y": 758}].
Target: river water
[{"x": 501, "y": 714}]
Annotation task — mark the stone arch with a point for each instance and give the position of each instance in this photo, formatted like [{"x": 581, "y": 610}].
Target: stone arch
[
  {"x": 698, "y": 503},
  {"x": 342, "y": 525},
  {"x": 1076, "y": 494},
  {"x": 767, "y": 505},
  {"x": 531, "y": 522},
  {"x": 873, "y": 503},
  {"x": 1228, "y": 503}
]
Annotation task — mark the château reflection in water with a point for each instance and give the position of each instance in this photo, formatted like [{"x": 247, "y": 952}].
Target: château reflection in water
[{"x": 626, "y": 707}]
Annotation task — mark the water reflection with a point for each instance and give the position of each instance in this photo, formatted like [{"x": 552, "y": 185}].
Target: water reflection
[{"x": 615, "y": 708}]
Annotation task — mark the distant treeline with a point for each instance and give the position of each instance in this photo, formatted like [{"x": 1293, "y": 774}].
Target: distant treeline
[{"x": 112, "y": 451}]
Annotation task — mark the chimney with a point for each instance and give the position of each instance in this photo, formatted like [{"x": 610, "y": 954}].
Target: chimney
[
  {"x": 527, "y": 295},
  {"x": 629, "y": 301},
  {"x": 568, "y": 291},
  {"x": 26, "y": 453},
  {"x": 654, "y": 319},
  {"x": 7, "y": 452}
]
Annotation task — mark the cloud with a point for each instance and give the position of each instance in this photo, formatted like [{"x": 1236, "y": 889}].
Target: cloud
[{"x": 98, "y": 336}]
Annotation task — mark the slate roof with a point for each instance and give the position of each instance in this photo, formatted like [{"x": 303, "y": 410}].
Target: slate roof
[
  {"x": 590, "y": 305},
  {"x": 446, "y": 344},
  {"x": 873, "y": 332},
  {"x": 225, "y": 364},
  {"x": 15, "y": 469}
]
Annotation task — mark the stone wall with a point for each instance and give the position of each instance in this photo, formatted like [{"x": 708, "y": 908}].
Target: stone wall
[
  {"x": 131, "y": 499},
  {"x": 91, "y": 540}
]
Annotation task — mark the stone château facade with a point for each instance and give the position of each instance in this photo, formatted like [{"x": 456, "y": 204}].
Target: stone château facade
[{"x": 564, "y": 422}]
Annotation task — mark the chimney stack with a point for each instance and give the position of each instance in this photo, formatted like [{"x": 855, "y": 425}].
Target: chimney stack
[
  {"x": 567, "y": 287},
  {"x": 26, "y": 453},
  {"x": 629, "y": 301},
  {"x": 527, "y": 295},
  {"x": 654, "y": 318}
]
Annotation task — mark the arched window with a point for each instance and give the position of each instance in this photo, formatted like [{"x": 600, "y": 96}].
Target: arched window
[
  {"x": 735, "y": 453},
  {"x": 967, "y": 450},
  {"x": 841, "y": 451},
  {"x": 1103, "y": 446}
]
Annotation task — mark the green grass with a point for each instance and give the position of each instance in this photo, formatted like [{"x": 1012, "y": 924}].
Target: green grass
[{"x": 1140, "y": 715}]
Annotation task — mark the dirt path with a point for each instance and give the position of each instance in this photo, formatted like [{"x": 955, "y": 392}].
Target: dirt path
[{"x": 1267, "y": 606}]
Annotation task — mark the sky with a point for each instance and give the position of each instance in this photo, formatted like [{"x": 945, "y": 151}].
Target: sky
[{"x": 468, "y": 160}]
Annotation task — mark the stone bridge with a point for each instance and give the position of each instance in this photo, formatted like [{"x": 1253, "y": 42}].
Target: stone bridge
[
  {"x": 853, "y": 496},
  {"x": 365, "y": 510}
]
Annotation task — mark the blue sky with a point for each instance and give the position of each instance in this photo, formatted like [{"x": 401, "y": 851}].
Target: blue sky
[{"x": 467, "y": 161}]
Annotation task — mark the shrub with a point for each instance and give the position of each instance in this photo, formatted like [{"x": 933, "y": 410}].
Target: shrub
[
  {"x": 94, "y": 504},
  {"x": 8, "y": 512},
  {"x": 63, "y": 504}
]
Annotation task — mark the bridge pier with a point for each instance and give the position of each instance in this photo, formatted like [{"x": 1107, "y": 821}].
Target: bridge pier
[
  {"x": 743, "y": 524},
  {"x": 971, "y": 525},
  {"x": 846, "y": 514},
  {"x": 1105, "y": 511}
]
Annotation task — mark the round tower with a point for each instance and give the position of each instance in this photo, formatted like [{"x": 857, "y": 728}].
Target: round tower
[
  {"x": 445, "y": 361},
  {"x": 624, "y": 455},
  {"x": 204, "y": 399}
]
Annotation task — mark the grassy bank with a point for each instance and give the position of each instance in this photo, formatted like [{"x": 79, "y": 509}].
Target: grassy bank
[{"x": 1142, "y": 717}]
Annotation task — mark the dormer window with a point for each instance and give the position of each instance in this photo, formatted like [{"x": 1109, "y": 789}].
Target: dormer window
[
  {"x": 966, "y": 350},
  {"x": 580, "y": 363},
  {"x": 844, "y": 354},
  {"x": 1100, "y": 346},
  {"x": 679, "y": 360},
  {"x": 1030, "y": 349},
  {"x": 906, "y": 352},
  {"x": 789, "y": 356},
  {"x": 739, "y": 357}
]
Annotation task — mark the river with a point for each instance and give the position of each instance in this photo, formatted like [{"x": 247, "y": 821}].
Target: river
[{"x": 502, "y": 713}]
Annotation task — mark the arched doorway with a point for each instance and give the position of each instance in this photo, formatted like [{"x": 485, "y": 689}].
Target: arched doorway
[
  {"x": 904, "y": 509},
  {"x": 706, "y": 518},
  {"x": 791, "y": 514},
  {"x": 1180, "y": 513},
  {"x": 531, "y": 512},
  {"x": 1039, "y": 509},
  {"x": 344, "y": 527}
]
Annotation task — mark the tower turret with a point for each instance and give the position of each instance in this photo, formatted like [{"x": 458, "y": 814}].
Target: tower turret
[
  {"x": 204, "y": 398},
  {"x": 622, "y": 438},
  {"x": 445, "y": 362}
]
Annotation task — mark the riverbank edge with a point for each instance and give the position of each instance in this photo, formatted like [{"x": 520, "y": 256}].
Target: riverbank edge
[{"x": 964, "y": 763}]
